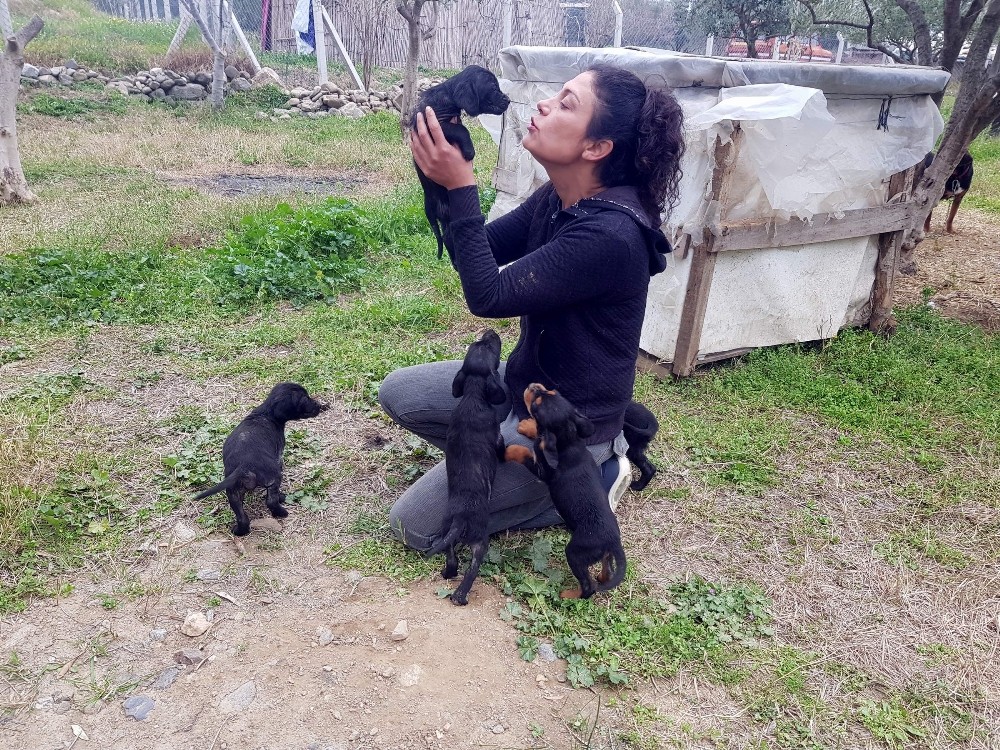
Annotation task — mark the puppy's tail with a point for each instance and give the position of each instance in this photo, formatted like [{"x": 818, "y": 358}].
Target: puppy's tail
[
  {"x": 618, "y": 574},
  {"x": 456, "y": 532},
  {"x": 228, "y": 483}
]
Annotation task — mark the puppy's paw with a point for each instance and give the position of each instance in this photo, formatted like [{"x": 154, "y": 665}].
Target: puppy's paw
[
  {"x": 459, "y": 600},
  {"x": 278, "y": 512},
  {"x": 528, "y": 428},
  {"x": 240, "y": 530},
  {"x": 518, "y": 454},
  {"x": 449, "y": 572}
]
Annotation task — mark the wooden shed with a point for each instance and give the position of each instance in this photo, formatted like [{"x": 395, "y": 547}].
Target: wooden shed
[{"x": 794, "y": 195}]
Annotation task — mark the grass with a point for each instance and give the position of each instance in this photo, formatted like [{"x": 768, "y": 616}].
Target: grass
[{"x": 864, "y": 468}]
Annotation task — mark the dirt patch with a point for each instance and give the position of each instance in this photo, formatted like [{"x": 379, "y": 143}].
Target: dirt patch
[
  {"x": 960, "y": 270},
  {"x": 298, "y": 655},
  {"x": 240, "y": 185}
]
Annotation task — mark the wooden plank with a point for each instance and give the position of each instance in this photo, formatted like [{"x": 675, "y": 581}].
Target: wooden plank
[
  {"x": 341, "y": 48},
  {"x": 693, "y": 313},
  {"x": 859, "y": 222},
  {"x": 703, "y": 259},
  {"x": 320, "y": 39},
  {"x": 646, "y": 362},
  {"x": 182, "y": 30},
  {"x": 889, "y": 244},
  {"x": 244, "y": 42}
]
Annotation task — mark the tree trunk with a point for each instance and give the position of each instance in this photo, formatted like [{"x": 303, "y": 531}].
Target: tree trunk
[
  {"x": 214, "y": 42},
  {"x": 412, "y": 15},
  {"x": 975, "y": 107},
  {"x": 219, "y": 65},
  {"x": 13, "y": 187}
]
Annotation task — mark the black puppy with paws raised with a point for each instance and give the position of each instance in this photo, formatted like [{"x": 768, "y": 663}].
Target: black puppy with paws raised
[{"x": 561, "y": 459}]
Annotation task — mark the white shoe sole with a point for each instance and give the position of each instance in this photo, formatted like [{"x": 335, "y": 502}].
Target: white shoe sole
[{"x": 617, "y": 491}]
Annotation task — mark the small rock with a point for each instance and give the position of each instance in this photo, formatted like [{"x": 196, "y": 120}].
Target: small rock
[
  {"x": 158, "y": 635},
  {"x": 411, "y": 675},
  {"x": 78, "y": 732},
  {"x": 497, "y": 729},
  {"x": 401, "y": 632},
  {"x": 266, "y": 76},
  {"x": 231, "y": 72},
  {"x": 57, "y": 71},
  {"x": 541, "y": 679},
  {"x": 266, "y": 524},
  {"x": 139, "y": 706},
  {"x": 205, "y": 574},
  {"x": 327, "y": 668},
  {"x": 240, "y": 699},
  {"x": 240, "y": 85},
  {"x": 46, "y": 79},
  {"x": 80, "y": 75},
  {"x": 167, "y": 678},
  {"x": 70, "y": 64},
  {"x": 29, "y": 71},
  {"x": 353, "y": 576},
  {"x": 183, "y": 532},
  {"x": 324, "y": 636},
  {"x": 388, "y": 672},
  {"x": 195, "y": 624},
  {"x": 352, "y": 110},
  {"x": 546, "y": 653},
  {"x": 189, "y": 656},
  {"x": 44, "y": 703},
  {"x": 189, "y": 92}
]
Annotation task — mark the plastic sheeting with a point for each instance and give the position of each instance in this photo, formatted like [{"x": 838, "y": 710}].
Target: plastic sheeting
[{"x": 817, "y": 138}]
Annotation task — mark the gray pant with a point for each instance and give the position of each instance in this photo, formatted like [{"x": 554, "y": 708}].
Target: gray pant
[{"x": 419, "y": 399}]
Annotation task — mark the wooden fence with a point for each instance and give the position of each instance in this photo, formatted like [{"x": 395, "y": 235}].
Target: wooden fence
[{"x": 466, "y": 32}]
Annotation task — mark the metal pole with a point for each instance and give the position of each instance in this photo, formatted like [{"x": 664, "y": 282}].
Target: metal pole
[
  {"x": 840, "y": 47},
  {"x": 618, "y": 22},
  {"x": 710, "y": 45}
]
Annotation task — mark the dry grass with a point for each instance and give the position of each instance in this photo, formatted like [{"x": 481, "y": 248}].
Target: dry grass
[{"x": 962, "y": 270}]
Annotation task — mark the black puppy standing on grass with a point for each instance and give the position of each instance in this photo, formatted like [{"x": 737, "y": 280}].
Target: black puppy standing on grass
[
  {"x": 561, "y": 460},
  {"x": 475, "y": 91},
  {"x": 473, "y": 449},
  {"x": 251, "y": 455}
]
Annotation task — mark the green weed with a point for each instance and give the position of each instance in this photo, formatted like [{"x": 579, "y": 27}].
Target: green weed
[
  {"x": 890, "y": 722},
  {"x": 300, "y": 254},
  {"x": 73, "y": 106}
]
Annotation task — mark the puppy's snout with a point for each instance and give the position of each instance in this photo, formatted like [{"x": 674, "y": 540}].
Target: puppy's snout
[{"x": 323, "y": 406}]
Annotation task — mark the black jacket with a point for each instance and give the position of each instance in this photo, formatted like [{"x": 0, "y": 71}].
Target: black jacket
[{"x": 577, "y": 278}]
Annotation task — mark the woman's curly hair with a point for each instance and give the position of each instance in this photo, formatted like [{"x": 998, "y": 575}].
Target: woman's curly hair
[{"x": 644, "y": 124}]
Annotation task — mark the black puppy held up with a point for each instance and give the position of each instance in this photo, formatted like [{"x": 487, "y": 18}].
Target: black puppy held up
[
  {"x": 475, "y": 91},
  {"x": 473, "y": 449},
  {"x": 252, "y": 454}
]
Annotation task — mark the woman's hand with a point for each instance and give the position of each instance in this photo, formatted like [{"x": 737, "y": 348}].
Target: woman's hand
[{"x": 438, "y": 159}]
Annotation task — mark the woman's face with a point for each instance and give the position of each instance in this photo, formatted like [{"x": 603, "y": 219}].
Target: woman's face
[{"x": 557, "y": 135}]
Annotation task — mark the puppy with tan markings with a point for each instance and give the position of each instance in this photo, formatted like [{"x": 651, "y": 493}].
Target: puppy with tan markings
[
  {"x": 252, "y": 454},
  {"x": 473, "y": 449},
  {"x": 561, "y": 459}
]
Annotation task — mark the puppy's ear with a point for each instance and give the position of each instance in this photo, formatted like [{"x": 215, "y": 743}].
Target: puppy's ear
[
  {"x": 546, "y": 446},
  {"x": 465, "y": 96},
  {"x": 584, "y": 427},
  {"x": 495, "y": 393},
  {"x": 458, "y": 384}
]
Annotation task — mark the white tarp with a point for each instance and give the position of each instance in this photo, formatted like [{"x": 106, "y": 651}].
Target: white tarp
[{"x": 817, "y": 138}]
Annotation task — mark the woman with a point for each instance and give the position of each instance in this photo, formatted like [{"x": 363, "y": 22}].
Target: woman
[{"x": 581, "y": 251}]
